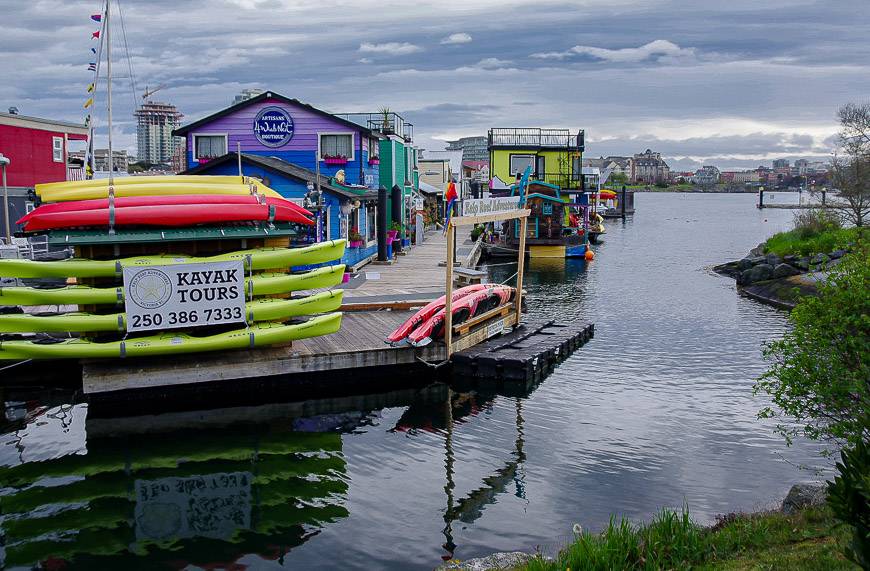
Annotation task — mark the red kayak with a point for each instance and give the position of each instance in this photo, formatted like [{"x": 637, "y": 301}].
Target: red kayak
[
  {"x": 470, "y": 305},
  {"x": 166, "y": 215},
  {"x": 168, "y": 200},
  {"x": 399, "y": 336}
]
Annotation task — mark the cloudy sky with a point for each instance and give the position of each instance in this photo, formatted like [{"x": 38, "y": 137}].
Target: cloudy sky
[{"x": 734, "y": 83}]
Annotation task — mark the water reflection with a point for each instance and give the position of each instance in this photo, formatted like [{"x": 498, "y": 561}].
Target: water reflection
[{"x": 213, "y": 488}]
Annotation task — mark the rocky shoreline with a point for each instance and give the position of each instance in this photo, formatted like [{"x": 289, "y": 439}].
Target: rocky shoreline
[{"x": 779, "y": 281}]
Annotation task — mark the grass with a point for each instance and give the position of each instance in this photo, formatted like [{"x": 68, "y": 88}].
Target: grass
[
  {"x": 802, "y": 243},
  {"x": 808, "y": 540}
]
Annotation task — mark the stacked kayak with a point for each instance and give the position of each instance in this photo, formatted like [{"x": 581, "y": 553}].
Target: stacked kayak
[
  {"x": 428, "y": 323},
  {"x": 261, "y": 310}
]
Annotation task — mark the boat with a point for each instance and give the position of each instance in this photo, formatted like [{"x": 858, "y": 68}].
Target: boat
[
  {"x": 169, "y": 215},
  {"x": 176, "y": 200},
  {"x": 268, "y": 309},
  {"x": 256, "y": 259},
  {"x": 149, "y": 188},
  {"x": 467, "y": 306},
  {"x": 258, "y": 284},
  {"x": 257, "y": 335},
  {"x": 400, "y": 335}
]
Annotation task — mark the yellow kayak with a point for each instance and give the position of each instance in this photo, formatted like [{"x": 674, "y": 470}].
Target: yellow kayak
[
  {"x": 258, "y": 335},
  {"x": 268, "y": 309},
  {"x": 128, "y": 180},
  {"x": 155, "y": 189}
]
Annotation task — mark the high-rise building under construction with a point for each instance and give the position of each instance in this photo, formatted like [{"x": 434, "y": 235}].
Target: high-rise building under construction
[{"x": 154, "y": 139}]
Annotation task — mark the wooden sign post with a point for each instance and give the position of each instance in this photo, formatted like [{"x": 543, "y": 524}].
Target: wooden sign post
[{"x": 488, "y": 210}]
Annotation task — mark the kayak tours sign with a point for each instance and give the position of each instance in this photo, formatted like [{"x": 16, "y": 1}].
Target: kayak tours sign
[
  {"x": 184, "y": 295},
  {"x": 482, "y": 206},
  {"x": 273, "y": 126}
]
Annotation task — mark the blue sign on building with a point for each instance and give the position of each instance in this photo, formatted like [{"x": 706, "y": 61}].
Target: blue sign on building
[{"x": 273, "y": 127}]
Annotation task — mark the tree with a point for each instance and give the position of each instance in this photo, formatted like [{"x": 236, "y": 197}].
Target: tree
[
  {"x": 851, "y": 163},
  {"x": 820, "y": 372}
]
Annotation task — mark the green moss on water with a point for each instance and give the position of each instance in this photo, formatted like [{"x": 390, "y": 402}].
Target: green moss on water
[{"x": 809, "y": 540}]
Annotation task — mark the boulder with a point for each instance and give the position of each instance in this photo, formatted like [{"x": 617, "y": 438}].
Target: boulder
[
  {"x": 819, "y": 259},
  {"x": 757, "y": 251},
  {"x": 755, "y": 260},
  {"x": 496, "y": 561},
  {"x": 837, "y": 254},
  {"x": 757, "y": 273},
  {"x": 773, "y": 260},
  {"x": 790, "y": 259},
  {"x": 784, "y": 271},
  {"x": 804, "y": 495},
  {"x": 802, "y": 264},
  {"x": 744, "y": 264}
]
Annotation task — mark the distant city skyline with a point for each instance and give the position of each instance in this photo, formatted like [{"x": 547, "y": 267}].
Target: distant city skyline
[{"x": 734, "y": 84}]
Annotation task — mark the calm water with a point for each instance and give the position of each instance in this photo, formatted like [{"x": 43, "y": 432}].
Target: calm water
[{"x": 656, "y": 411}]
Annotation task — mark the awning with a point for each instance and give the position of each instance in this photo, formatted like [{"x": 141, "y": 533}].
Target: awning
[{"x": 430, "y": 190}]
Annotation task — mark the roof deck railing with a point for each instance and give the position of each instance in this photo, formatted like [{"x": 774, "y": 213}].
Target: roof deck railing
[
  {"x": 535, "y": 138},
  {"x": 388, "y": 124}
]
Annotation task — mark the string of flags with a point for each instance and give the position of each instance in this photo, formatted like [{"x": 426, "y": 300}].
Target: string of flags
[{"x": 93, "y": 66}]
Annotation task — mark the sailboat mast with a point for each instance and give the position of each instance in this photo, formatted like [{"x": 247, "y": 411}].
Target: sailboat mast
[{"x": 109, "y": 94}]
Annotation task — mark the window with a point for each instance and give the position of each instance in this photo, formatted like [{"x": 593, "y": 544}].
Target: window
[
  {"x": 520, "y": 162},
  {"x": 209, "y": 146},
  {"x": 57, "y": 149},
  {"x": 336, "y": 145},
  {"x": 371, "y": 223}
]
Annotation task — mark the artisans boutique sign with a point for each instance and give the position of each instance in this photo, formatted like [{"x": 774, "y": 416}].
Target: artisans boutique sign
[
  {"x": 273, "y": 126},
  {"x": 184, "y": 295}
]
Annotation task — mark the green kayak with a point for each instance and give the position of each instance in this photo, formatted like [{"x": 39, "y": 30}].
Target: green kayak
[
  {"x": 258, "y": 335},
  {"x": 255, "y": 259},
  {"x": 268, "y": 309},
  {"x": 258, "y": 284}
]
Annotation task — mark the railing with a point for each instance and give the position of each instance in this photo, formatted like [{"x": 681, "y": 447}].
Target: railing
[
  {"x": 389, "y": 124},
  {"x": 534, "y": 137}
]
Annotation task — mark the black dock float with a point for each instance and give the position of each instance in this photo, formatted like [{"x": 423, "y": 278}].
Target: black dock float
[{"x": 526, "y": 355}]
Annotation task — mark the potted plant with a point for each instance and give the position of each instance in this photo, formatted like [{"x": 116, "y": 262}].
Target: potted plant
[
  {"x": 386, "y": 116},
  {"x": 375, "y": 160},
  {"x": 335, "y": 160},
  {"x": 393, "y": 232},
  {"x": 355, "y": 238}
]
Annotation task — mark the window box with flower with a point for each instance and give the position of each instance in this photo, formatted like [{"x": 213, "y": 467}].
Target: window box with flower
[
  {"x": 355, "y": 238},
  {"x": 374, "y": 161},
  {"x": 335, "y": 160}
]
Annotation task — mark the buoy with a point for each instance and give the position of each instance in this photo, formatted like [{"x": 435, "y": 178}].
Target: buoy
[{"x": 590, "y": 255}]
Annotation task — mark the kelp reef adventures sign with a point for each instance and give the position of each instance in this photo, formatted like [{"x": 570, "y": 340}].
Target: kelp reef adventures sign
[
  {"x": 482, "y": 206},
  {"x": 273, "y": 126}
]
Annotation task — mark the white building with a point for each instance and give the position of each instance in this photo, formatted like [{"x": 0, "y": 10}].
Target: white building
[
  {"x": 706, "y": 175},
  {"x": 154, "y": 139}
]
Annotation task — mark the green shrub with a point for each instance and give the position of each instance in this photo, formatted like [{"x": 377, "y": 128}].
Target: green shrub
[{"x": 849, "y": 498}]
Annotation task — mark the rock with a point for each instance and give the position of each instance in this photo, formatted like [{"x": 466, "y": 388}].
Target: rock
[
  {"x": 802, "y": 264},
  {"x": 837, "y": 254},
  {"x": 774, "y": 260},
  {"x": 744, "y": 264},
  {"x": 755, "y": 260},
  {"x": 784, "y": 271},
  {"x": 496, "y": 561},
  {"x": 819, "y": 259},
  {"x": 790, "y": 259},
  {"x": 757, "y": 273},
  {"x": 804, "y": 495},
  {"x": 757, "y": 251}
]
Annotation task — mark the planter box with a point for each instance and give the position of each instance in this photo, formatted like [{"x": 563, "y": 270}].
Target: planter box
[
  {"x": 356, "y": 243},
  {"x": 374, "y": 161},
  {"x": 335, "y": 161}
]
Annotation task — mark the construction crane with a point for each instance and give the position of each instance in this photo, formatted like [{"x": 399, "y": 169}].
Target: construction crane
[{"x": 149, "y": 92}]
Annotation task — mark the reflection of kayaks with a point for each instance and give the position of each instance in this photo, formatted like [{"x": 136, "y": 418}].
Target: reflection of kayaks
[
  {"x": 181, "y": 199},
  {"x": 399, "y": 336},
  {"x": 468, "y": 306},
  {"x": 258, "y": 284},
  {"x": 166, "y": 215},
  {"x": 258, "y": 335},
  {"x": 268, "y": 309},
  {"x": 257, "y": 259}
]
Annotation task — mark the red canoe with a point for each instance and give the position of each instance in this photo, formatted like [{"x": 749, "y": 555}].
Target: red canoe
[
  {"x": 165, "y": 215},
  {"x": 469, "y": 305},
  {"x": 169, "y": 200},
  {"x": 399, "y": 336}
]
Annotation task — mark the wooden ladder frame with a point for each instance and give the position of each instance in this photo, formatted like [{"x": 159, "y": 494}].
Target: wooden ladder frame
[{"x": 456, "y": 221}]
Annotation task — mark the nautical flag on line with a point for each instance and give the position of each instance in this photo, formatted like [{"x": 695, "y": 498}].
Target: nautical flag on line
[
  {"x": 94, "y": 50},
  {"x": 89, "y": 102},
  {"x": 92, "y": 66},
  {"x": 96, "y": 34},
  {"x": 88, "y": 121},
  {"x": 97, "y": 17},
  {"x": 91, "y": 88}
]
